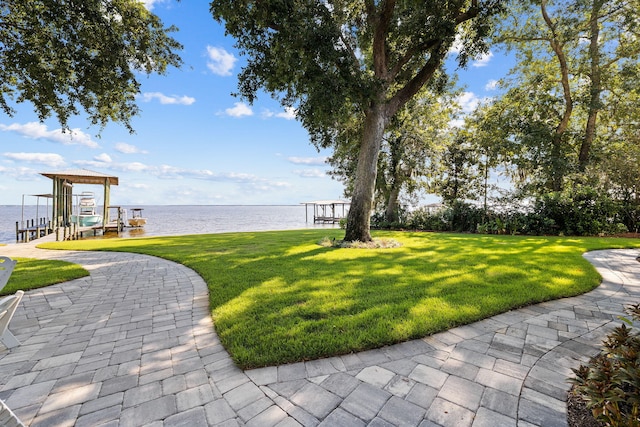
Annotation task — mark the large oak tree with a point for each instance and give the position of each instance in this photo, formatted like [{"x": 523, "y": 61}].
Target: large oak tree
[
  {"x": 68, "y": 56},
  {"x": 334, "y": 60}
]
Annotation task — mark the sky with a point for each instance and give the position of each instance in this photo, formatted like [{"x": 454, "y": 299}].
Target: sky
[{"x": 194, "y": 143}]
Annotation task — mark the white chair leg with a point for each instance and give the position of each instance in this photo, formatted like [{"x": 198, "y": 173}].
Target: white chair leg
[{"x": 8, "y": 306}]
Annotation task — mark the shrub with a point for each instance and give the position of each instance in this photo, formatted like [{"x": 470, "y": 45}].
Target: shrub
[
  {"x": 422, "y": 219},
  {"x": 582, "y": 211},
  {"x": 463, "y": 217},
  {"x": 610, "y": 383},
  {"x": 629, "y": 214},
  {"x": 379, "y": 220},
  {"x": 343, "y": 223}
]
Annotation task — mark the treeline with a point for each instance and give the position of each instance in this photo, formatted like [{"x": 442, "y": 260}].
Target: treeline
[
  {"x": 581, "y": 212},
  {"x": 555, "y": 150}
]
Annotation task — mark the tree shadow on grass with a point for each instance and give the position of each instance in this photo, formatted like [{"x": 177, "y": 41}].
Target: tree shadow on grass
[{"x": 279, "y": 297}]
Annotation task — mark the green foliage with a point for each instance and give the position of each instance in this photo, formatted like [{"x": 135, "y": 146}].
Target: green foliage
[
  {"x": 610, "y": 382},
  {"x": 37, "y": 273},
  {"x": 423, "y": 219},
  {"x": 279, "y": 297},
  {"x": 570, "y": 102},
  {"x": 330, "y": 59},
  {"x": 379, "y": 220},
  {"x": 64, "y": 56},
  {"x": 459, "y": 177},
  {"x": 463, "y": 217},
  {"x": 583, "y": 211}
]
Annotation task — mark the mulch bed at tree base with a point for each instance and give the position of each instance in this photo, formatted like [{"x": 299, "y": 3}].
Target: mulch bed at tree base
[{"x": 577, "y": 413}]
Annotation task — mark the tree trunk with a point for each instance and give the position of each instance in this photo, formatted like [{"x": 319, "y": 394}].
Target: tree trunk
[
  {"x": 397, "y": 178},
  {"x": 596, "y": 87},
  {"x": 359, "y": 217},
  {"x": 391, "y": 213},
  {"x": 558, "y": 162}
]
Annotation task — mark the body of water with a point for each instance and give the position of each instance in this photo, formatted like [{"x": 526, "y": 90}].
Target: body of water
[{"x": 179, "y": 220}]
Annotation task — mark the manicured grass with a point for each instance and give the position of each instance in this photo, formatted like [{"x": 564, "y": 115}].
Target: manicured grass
[
  {"x": 279, "y": 297},
  {"x": 32, "y": 273}
]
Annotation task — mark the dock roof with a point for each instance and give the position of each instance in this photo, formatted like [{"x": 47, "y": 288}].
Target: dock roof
[
  {"x": 328, "y": 202},
  {"x": 82, "y": 176}
]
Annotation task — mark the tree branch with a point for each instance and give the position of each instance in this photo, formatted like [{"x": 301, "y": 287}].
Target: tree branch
[
  {"x": 424, "y": 47},
  {"x": 470, "y": 13},
  {"x": 564, "y": 70},
  {"x": 430, "y": 67},
  {"x": 417, "y": 82},
  {"x": 380, "y": 57}
]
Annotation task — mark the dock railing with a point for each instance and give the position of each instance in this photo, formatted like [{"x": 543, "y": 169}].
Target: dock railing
[{"x": 32, "y": 229}]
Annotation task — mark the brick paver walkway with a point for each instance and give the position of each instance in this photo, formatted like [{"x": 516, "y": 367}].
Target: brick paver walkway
[{"x": 133, "y": 344}]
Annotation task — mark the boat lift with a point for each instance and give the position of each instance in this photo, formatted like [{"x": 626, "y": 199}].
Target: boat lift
[
  {"x": 34, "y": 228},
  {"x": 327, "y": 211}
]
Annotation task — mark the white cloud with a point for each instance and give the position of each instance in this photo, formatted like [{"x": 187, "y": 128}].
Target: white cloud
[
  {"x": 288, "y": 114},
  {"x": 310, "y": 173},
  {"x": 457, "y": 46},
  {"x": 246, "y": 180},
  {"x": 49, "y": 159},
  {"x": 132, "y": 167},
  {"x": 468, "y": 101},
  {"x": 139, "y": 186},
  {"x": 35, "y": 130},
  {"x": 240, "y": 109},
  {"x": 483, "y": 61},
  {"x": 149, "y": 4},
  {"x": 167, "y": 100},
  {"x": 120, "y": 167},
  {"x": 104, "y": 157},
  {"x": 456, "y": 123},
  {"x": 125, "y": 148},
  {"x": 491, "y": 85},
  {"x": 317, "y": 161},
  {"x": 21, "y": 173},
  {"x": 220, "y": 61}
]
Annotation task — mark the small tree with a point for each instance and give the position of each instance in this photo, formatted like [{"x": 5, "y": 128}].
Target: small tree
[{"x": 460, "y": 177}]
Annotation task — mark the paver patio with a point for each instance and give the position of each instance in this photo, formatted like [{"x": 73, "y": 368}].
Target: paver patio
[{"x": 133, "y": 344}]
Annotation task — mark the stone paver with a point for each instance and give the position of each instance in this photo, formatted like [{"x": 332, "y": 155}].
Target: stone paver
[{"x": 133, "y": 345}]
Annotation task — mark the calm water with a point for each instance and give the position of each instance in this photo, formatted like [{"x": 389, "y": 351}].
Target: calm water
[{"x": 176, "y": 220}]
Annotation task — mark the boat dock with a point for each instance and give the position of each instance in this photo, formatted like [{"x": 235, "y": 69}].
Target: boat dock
[
  {"x": 327, "y": 211},
  {"x": 61, "y": 219},
  {"x": 32, "y": 229}
]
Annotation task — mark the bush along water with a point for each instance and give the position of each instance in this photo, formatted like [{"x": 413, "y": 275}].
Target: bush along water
[
  {"x": 610, "y": 382},
  {"x": 580, "y": 212}
]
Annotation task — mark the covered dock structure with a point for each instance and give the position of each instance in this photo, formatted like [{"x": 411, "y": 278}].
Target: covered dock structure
[
  {"x": 327, "y": 211},
  {"x": 63, "y": 182},
  {"x": 30, "y": 229}
]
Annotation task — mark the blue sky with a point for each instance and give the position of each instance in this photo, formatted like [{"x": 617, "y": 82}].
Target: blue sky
[{"x": 194, "y": 143}]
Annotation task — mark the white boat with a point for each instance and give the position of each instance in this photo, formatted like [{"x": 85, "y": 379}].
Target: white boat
[
  {"x": 136, "y": 220},
  {"x": 86, "y": 211}
]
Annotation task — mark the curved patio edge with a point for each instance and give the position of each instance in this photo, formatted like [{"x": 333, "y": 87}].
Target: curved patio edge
[{"x": 133, "y": 344}]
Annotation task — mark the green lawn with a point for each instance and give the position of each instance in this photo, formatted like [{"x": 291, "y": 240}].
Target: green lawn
[
  {"x": 32, "y": 273},
  {"x": 280, "y": 297}
]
